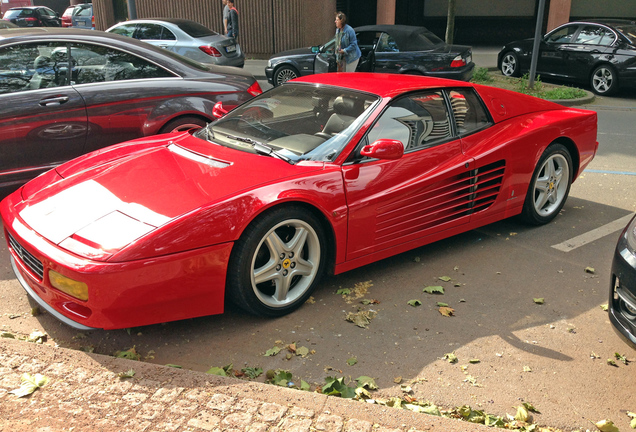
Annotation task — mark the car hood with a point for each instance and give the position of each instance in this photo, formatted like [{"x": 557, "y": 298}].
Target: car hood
[
  {"x": 106, "y": 204},
  {"x": 293, "y": 52}
]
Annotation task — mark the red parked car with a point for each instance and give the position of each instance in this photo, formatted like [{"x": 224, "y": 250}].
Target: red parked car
[
  {"x": 66, "y": 16},
  {"x": 322, "y": 174}
]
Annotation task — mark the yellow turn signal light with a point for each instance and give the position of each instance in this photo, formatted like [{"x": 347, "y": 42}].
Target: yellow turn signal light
[{"x": 71, "y": 287}]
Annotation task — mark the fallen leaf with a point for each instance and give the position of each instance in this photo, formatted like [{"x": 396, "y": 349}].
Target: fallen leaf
[
  {"x": 30, "y": 383},
  {"x": 451, "y": 357},
  {"x": 7, "y": 335},
  {"x": 362, "y": 318},
  {"x": 397, "y": 380},
  {"x": 434, "y": 290},
  {"x": 37, "y": 337},
  {"x": 216, "y": 371},
  {"x": 367, "y": 382},
  {"x": 343, "y": 291},
  {"x": 531, "y": 407},
  {"x": 302, "y": 351},
  {"x": 606, "y": 426},
  {"x": 474, "y": 361},
  {"x": 611, "y": 362},
  {"x": 174, "y": 366},
  {"x": 522, "y": 414},
  {"x": 130, "y": 354},
  {"x": 440, "y": 304},
  {"x": 414, "y": 303},
  {"x": 604, "y": 306},
  {"x": 352, "y": 361},
  {"x": 539, "y": 300},
  {"x": 444, "y": 278},
  {"x": 527, "y": 369},
  {"x": 632, "y": 423},
  {"x": 446, "y": 311},
  {"x": 621, "y": 358},
  {"x": 272, "y": 352},
  {"x": 128, "y": 374},
  {"x": 590, "y": 270}
]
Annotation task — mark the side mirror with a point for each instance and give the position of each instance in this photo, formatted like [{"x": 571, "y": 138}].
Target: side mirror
[
  {"x": 386, "y": 149},
  {"x": 315, "y": 49}
]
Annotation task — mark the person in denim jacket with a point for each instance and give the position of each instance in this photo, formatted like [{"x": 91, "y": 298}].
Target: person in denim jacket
[{"x": 347, "y": 51}]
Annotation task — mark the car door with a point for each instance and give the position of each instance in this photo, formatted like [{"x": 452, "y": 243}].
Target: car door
[
  {"x": 554, "y": 51},
  {"x": 387, "y": 55},
  {"x": 393, "y": 202},
  {"x": 367, "y": 42},
  {"x": 153, "y": 34},
  {"x": 43, "y": 119},
  {"x": 121, "y": 92},
  {"x": 325, "y": 60},
  {"x": 591, "y": 42}
]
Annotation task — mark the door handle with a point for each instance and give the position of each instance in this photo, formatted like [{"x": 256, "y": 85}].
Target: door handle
[{"x": 55, "y": 100}]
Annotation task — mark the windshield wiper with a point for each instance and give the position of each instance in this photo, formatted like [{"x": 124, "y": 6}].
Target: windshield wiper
[{"x": 261, "y": 148}]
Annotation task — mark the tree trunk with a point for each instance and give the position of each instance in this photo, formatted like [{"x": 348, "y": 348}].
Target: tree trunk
[{"x": 450, "y": 23}]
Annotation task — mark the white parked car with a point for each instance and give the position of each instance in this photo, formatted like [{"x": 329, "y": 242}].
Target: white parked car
[{"x": 185, "y": 37}]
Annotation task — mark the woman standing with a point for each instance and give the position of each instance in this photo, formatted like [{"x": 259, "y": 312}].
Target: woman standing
[{"x": 347, "y": 51}]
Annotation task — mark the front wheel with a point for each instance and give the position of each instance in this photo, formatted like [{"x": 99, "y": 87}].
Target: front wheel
[
  {"x": 549, "y": 187},
  {"x": 284, "y": 74},
  {"x": 510, "y": 65},
  {"x": 277, "y": 262},
  {"x": 604, "y": 80},
  {"x": 183, "y": 124}
]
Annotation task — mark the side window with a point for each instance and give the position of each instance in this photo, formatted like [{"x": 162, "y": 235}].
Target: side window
[
  {"x": 125, "y": 30},
  {"x": 148, "y": 31},
  {"x": 418, "y": 121},
  {"x": 387, "y": 44},
  {"x": 94, "y": 63},
  {"x": 33, "y": 66},
  {"x": 167, "y": 34},
  {"x": 470, "y": 115},
  {"x": 563, "y": 35},
  {"x": 594, "y": 35}
]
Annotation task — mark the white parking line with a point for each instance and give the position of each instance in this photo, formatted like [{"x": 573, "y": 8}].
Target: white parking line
[{"x": 593, "y": 235}]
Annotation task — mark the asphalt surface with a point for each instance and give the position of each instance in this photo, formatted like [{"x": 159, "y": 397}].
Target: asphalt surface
[{"x": 84, "y": 391}]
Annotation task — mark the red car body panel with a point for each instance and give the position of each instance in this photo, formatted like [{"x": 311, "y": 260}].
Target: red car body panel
[{"x": 171, "y": 220}]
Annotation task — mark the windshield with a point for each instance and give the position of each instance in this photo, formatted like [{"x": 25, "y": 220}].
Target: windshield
[
  {"x": 297, "y": 122},
  {"x": 195, "y": 29}
]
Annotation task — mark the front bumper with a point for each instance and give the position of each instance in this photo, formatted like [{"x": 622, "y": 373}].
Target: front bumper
[
  {"x": 622, "y": 295},
  {"x": 121, "y": 295}
]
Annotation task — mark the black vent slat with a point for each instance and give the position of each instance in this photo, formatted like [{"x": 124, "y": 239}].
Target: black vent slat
[{"x": 32, "y": 263}]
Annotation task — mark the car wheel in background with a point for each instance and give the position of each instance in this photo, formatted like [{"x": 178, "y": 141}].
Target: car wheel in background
[
  {"x": 284, "y": 74},
  {"x": 510, "y": 64},
  {"x": 277, "y": 262},
  {"x": 183, "y": 124},
  {"x": 604, "y": 80},
  {"x": 549, "y": 187}
]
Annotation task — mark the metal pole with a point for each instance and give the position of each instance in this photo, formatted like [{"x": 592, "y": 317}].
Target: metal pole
[
  {"x": 535, "y": 46},
  {"x": 132, "y": 10}
]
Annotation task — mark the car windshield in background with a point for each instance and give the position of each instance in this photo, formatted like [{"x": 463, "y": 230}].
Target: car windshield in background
[
  {"x": 295, "y": 122},
  {"x": 428, "y": 39},
  {"x": 15, "y": 13},
  {"x": 195, "y": 30}
]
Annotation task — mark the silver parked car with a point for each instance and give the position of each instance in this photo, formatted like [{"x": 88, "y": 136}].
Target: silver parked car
[{"x": 185, "y": 37}]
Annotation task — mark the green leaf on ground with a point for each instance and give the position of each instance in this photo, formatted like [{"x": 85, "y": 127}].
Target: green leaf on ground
[
  {"x": 216, "y": 371},
  {"x": 451, "y": 357},
  {"x": 30, "y": 383},
  {"x": 444, "y": 278},
  {"x": 367, "y": 382},
  {"x": 174, "y": 366},
  {"x": 434, "y": 290},
  {"x": 606, "y": 426},
  {"x": 539, "y": 300},
  {"x": 590, "y": 270},
  {"x": 414, "y": 303},
  {"x": 621, "y": 358},
  {"x": 252, "y": 373},
  {"x": 343, "y": 291},
  {"x": 272, "y": 352},
  {"x": 128, "y": 374},
  {"x": 130, "y": 354},
  {"x": 352, "y": 361}
]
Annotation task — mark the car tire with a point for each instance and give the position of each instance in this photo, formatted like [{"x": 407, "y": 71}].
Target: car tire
[
  {"x": 183, "y": 124},
  {"x": 284, "y": 74},
  {"x": 277, "y": 262},
  {"x": 604, "y": 80},
  {"x": 510, "y": 64},
  {"x": 550, "y": 186}
]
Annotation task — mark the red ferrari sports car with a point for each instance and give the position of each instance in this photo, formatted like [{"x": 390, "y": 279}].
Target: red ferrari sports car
[{"x": 322, "y": 174}]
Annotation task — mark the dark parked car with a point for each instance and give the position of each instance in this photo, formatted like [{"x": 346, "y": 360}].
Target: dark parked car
[
  {"x": 83, "y": 16},
  {"x": 33, "y": 16},
  {"x": 185, "y": 37},
  {"x": 622, "y": 302},
  {"x": 54, "y": 107},
  {"x": 599, "y": 54},
  {"x": 385, "y": 48}
]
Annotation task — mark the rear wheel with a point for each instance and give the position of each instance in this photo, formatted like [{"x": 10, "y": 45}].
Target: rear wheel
[
  {"x": 510, "y": 65},
  {"x": 183, "y": 124},
  {"x": 284, "y": 74},
  {"x": 549, "y": 187},
  {"x": 604, "y": 81},
  {"x": 277, "y": 262}
]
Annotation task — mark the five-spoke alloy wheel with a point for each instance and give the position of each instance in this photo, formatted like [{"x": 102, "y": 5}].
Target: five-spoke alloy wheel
[
  {"x": 510, "y": 64},
  {"x": 604, "y": 80},
  {"x": 277, "y": 262},
  {"x": 549, "y": 187}
]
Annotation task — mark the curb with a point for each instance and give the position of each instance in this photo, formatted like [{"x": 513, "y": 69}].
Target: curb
[{"x": 84, "y": 392}]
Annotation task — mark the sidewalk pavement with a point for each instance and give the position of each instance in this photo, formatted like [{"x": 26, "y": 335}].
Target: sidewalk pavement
[{"x": 85, "y": 393}]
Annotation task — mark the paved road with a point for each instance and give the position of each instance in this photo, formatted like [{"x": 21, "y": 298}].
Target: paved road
[{"x": 551, "y": 355}]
